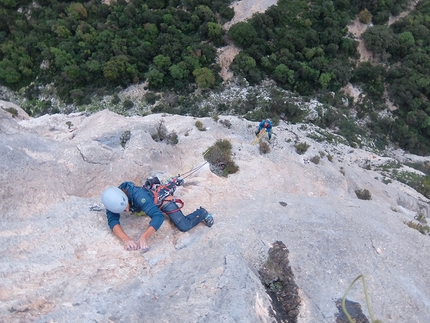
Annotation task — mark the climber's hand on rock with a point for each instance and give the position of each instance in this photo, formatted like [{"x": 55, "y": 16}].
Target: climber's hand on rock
[
  {"x": 142, "y": 245},
  {"x": 130, "y": 245}
]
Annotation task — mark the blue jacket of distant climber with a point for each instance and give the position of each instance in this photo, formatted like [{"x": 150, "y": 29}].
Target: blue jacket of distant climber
[
  {"x": 268, "y": 125},
  {"x": 263, "y": 124},
  {"x": 140, "y": 200}
]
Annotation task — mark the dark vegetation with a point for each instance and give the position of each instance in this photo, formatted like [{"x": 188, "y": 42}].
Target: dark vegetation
[
  {"x": 278, "y": 278},
  {"x": 419, "y": 224},
  {"x": 315, "y": 160},
  {"x": 421, "y": 183},
  {"x": 163, "y": 134},
  {"x": 301, "y": 147},
  {"x": 125, "y": 137},
  {"x": 363, "y": 194},
  {"x": 199, "y": 125},
  {"x": 219, "y": 158},
  {"x": 86, "y": 49},
  {"x": 12, "y": 111},
  {"x": 263, "y": 147}
]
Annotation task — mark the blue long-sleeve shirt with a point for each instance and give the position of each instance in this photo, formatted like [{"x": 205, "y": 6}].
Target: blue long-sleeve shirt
[
  {"x": 140, "y": 200},
  {"x": 261, "y": 125}
]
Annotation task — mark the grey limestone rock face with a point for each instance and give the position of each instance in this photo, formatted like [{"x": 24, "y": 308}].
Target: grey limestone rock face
[{"x": 61, "y": 263}]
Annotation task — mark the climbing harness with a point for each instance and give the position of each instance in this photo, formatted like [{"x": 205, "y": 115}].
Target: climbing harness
[{"x": 161, "y": 191}]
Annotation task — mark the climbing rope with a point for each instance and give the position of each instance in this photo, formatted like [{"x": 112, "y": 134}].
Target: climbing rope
[
  {"x": 367, "y": 301},
  {"x": 192, "y": 171},
  {"x": 187, "y": 174},
  {"x": 259, "y": 136}
]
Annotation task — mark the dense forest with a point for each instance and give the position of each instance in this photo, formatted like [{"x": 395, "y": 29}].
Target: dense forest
[{"x": 88, "y": 49}]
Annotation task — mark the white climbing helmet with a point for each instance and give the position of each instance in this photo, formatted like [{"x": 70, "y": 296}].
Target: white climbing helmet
[{"x": 114, "y": 199}]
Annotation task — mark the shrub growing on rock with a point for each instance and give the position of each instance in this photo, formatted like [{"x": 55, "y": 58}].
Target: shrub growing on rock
[
  {"x": 12, "y": 111},
  {"x": 363, "y": 194},
  {"x": 264, "y": 147},
  {"x": 301, "y": 147},
  {"x": 219, "y": 158},
  {"x": 125, "y": 137},
  {"x": 199, "y": 125},
  {"x": 315, "y": 159}
]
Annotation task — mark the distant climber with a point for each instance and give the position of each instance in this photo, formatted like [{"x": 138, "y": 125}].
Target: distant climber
[
  {"x": 153, "y": 199},
  {"x": 266, "y": 124}
]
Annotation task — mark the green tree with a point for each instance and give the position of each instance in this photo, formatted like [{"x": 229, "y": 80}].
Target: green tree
[
  {"x": 204, "y": 77},
  {"x": 417, "y": 119},
  {"x": 115, "y": 68},
  {"x": 406, "y": 42},
  {"x": 151, "y": 32},
  {"x": 162, "y": 62},
  {"x": 156, "y": 4},
  {"x": 243, "y": 63},
  {"x": 214, "y": 31},
  {"x": 9, "y": 72},
  {"x": 342, "y": 71},
  {"x": 266, "y": 63},
  {"x": 93, "y": 66},
  {"x": 8, "y": 3},
  {"x": 204, "y": 13},
  {"x": 377, "y": 39},
  {"x": 426, "y": 126},
  {"x": 61, "y": 31},
  {"x": 307, "y": 72},
  {"x": 226, "y": 13},
  {"x": 16, "y": 64},
  {"x": 365, "y": 16},
  {"x": 192, "y": 61},
  {"x": 62, "y": 58},
  {"x": 243, "y": 34},
  {"x": 371, "y": 78},
  {"x": 178, "y": 71},
  {"x": 74, "y": 73},
  {"x": 77, "y": 11},
  {"x": 283, "y": 74},
  {"x": 154, "y": 77},
  {"x": 325, "y": 79}
]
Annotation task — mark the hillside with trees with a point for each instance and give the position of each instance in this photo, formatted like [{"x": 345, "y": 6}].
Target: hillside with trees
[{"x": 84, "y": 50}]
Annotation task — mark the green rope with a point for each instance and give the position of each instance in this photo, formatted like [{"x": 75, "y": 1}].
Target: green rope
[
  {"x": 372, "y": 320},
  {"x": 207, "y": 150}
]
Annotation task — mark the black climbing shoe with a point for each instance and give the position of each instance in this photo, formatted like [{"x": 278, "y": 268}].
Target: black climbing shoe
[{"x": 209, "y": 220}]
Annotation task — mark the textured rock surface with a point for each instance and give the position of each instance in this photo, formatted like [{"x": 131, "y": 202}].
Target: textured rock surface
[{"x": 61, "y": 263}]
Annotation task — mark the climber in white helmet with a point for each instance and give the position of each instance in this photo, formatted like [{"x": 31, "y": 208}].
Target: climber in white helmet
[{"x": 129, "y": 197}]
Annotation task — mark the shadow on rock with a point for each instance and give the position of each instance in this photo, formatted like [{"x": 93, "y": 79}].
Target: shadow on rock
[
  {"x": 278, "y": 278},
  {"x": 353, "y": 309}
]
